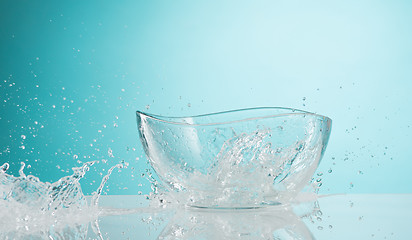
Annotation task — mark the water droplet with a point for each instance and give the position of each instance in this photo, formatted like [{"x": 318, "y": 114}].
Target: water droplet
[
  {"x": 330, "y": 170},
  {"x": 147, "y": 106},
  {"x": 320, "y": 227},
  {"x": 23, "y": 136},
  {"x": 110, "y": 152},
  {"x": 330, "y": 226},
  {"x": 75, "y": 156}
]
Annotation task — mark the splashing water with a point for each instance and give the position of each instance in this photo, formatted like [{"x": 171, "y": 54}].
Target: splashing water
[
  {"x": 56, "y": 210},
  {"x": 247, "y": 172},
  {"x": 59, "y": 210}
]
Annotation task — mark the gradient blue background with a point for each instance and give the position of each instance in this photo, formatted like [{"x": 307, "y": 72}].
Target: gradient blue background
[{"x": 80, "y": 69}]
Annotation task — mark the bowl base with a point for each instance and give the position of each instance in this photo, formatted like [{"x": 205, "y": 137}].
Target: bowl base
[{"x": 258, "y": 206}]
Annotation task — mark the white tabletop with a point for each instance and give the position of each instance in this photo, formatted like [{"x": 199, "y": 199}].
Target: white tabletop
[{"x": 362, "y": 216}]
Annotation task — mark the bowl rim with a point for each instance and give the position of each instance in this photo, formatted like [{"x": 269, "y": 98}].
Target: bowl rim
[{"x": 292, "y": 112}]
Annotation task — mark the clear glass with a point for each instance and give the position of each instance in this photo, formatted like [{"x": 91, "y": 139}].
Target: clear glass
[{"x": 245, "y": 158}]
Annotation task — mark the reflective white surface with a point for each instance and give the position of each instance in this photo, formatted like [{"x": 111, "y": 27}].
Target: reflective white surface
[{"x": 360, "y": 216}]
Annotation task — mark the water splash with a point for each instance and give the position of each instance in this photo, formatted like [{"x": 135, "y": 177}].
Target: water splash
[
  {"x": 34, "y": 209},
  {"x": 247, "y": 172},
  {"x": 56, "y": 210},
  {"x": 60, "y": 210}
]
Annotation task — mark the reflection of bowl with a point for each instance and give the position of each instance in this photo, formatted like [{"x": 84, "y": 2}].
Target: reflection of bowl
[
  {"x": 273, "y": 223},
  {"x": 235, "y": 159}
]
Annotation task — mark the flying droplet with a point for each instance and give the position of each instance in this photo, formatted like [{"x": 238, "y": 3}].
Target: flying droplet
[{"x": 110, "y": 152}]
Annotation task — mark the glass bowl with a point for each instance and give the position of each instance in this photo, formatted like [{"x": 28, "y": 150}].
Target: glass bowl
[{"x": 246, "y": 158}]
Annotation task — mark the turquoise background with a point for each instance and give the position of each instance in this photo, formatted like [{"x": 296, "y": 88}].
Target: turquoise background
[{"x": 73, "y": 73}]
